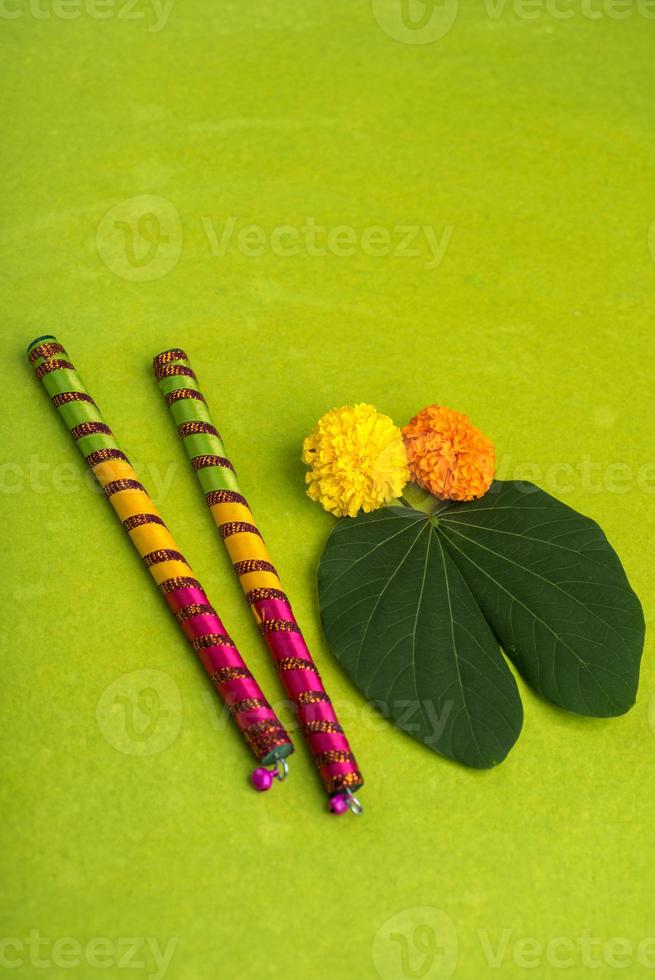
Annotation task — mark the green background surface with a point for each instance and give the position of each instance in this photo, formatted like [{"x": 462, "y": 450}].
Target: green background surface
[{"x": 531, "y": 139}]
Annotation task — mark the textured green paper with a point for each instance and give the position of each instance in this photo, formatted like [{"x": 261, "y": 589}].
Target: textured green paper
[{"x": 532, "y": 141}]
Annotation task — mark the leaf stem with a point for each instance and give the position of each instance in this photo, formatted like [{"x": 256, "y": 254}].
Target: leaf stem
[{"x": 419, "y": 500}]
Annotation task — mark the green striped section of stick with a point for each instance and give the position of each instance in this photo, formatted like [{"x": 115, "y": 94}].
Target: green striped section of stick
[
  {"x": 197, "y": 444},
  {"x": 74, "y": 412}
]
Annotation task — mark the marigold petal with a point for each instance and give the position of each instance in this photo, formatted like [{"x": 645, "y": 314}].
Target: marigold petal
[
  {"x": 357, "y": 458},
  {"x": 448, "y": 456}
]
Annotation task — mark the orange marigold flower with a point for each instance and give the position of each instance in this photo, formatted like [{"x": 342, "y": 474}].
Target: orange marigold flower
[{"x": 447, "y": 455}]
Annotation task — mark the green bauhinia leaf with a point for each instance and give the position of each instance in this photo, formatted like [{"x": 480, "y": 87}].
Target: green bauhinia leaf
[
  {"x": 555, "y": 594},
  {"x": 415, "y": 603},
  {"x": 402, "y": 621}
]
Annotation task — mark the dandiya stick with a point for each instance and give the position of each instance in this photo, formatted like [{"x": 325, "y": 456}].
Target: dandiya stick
[
  {"x": 259, "y": 580},
  {"x": 182, "y": 592}
]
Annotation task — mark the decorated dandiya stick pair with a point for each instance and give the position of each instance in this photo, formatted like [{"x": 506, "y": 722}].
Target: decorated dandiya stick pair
[
  {"x": 259, "y": 580},
  {"x": 182, "y": 592}
]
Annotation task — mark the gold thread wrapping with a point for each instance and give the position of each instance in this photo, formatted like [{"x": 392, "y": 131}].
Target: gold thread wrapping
[
  {"x": 225, "y": 674},
  {"x": 179, "y": 393},
  {"x": 200, "y": 462},
  {"x": 166, "y": 356},
  {"x": 311, "y": 697},
  {"x": 237, "y": 527},
  {"x": 262, "y": 593},
  {"x": 344, "y": 780},
  {"x": 102, "y": 455},
  {"x": 179, "y": 582},
  {"x": 225, "y": 497},
  {"x": 322, "y": 728},
  {"x": 49, "y": 366},
  {"x": 185, "y": 429},
  {"x": 253, "y": 565},
  {"x": 138, "y": 520},
  {"x": 161, "y": 555},
  {"x": 212, "y": 640},
  {"x": 278, "y": 626},
  {"x": 47, "y": 349},
  {"x": 194, "y": 609},
  {"x": 248, "y": 704},
  {"x": 118, "y": 486},
  {"x": 64, "y": 397},
  {"x": 90, "y": 429},
  {"x": 295, "y": 663},
  {"x": 171, "y": 370}
]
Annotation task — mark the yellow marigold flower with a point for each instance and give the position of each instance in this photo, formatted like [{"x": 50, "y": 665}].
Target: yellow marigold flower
[
  {"x": 357, "y": 458},
  {"x": 447, "y": 455}
]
